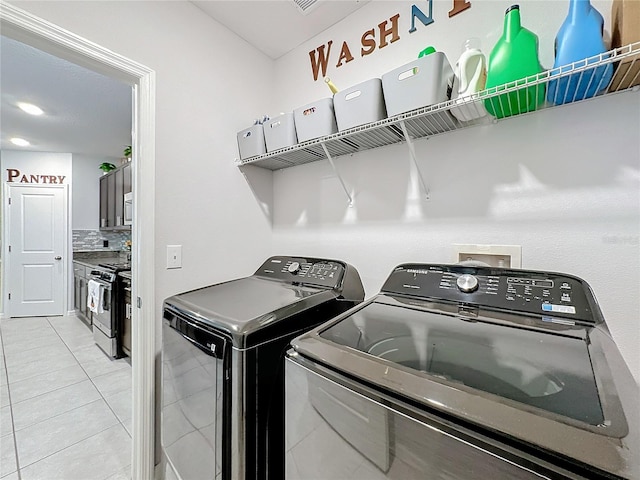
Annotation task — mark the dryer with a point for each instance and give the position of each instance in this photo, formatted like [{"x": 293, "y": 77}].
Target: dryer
[{"x": 223, "y": 364}]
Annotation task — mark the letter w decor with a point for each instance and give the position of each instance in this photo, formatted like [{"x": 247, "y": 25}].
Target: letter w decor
[
  {"x": 387, "y": 30},
  {"x": 320, "y": 60}
]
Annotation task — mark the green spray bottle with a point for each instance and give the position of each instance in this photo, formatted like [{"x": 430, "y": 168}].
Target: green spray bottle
[{"x": 512, "y": 59}]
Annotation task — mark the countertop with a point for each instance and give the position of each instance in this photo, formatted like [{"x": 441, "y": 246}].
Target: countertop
[
  {"x": 93, "y": 258},
  {"x": 125, "y": 274},
  {"x": 87, "y": 263}
]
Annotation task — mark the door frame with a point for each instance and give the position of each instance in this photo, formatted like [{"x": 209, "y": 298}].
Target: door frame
[
  {"x": 32, "y": 30},
  {"x": 66, "y": 248}
]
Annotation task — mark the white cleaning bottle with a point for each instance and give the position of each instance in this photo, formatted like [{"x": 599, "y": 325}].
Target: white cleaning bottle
[{"x": 470, "y": 78}]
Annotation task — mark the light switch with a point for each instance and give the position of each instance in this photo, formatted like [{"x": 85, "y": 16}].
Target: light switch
[{"x": 174, "y": 256}]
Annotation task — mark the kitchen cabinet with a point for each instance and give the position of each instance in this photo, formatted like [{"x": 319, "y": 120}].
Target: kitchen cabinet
[
  {"x": 126, "y": 179},
  {"x": 104, "y": 200},
  {"x": 126, "y": 312},
  {"x": 118, "y": 176},
  {"x": 81, "y": 275},
  {"x": 113, "y": 186}
]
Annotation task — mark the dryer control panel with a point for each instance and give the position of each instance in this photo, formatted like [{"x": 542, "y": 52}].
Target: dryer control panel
[
  {"x": 310, "y": 271},
  {"x": 533, "y": 292}
]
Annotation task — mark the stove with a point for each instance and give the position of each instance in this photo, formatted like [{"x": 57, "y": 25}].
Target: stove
[
  {"x": 108, "y": 321},
  {"x": 117, "y": 267}
]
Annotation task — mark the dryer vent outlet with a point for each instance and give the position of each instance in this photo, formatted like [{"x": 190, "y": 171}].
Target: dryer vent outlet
[{"x": 502, "y": 256}]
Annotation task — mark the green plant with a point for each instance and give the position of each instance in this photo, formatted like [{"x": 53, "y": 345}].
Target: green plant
[
  {"x": 127, "y": 151},
  {"x": 107, "y": 167}
]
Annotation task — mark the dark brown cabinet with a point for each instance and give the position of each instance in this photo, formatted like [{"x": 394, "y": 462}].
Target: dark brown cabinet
[
  {"x": 104, "y": 201},
  {"x": 119, "y": 205},
  {"x": 80, "y": 291},
  {"x": 113, "y": 186},
  {"x": 126, "y": 179},
  {"x": 126, "y": 313}
]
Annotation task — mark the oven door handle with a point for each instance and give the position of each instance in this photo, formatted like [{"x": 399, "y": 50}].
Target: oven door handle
[{"x": 106, "y": 285}]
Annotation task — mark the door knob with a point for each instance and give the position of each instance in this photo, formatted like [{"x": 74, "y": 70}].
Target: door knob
[{"x": 57, "y": 258}]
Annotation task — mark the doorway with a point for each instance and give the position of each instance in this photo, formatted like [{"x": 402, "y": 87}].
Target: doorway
[
  {"x": 37, "y": 224},
  {"x": 29, "y": 29}
]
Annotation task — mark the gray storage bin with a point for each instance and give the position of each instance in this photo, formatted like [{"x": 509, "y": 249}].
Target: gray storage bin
[
  {"x": 315, "y": 120},
  {"x": 425, "y": 81},
  {"x": 251, "y": 142},
  {"x": 360, "y": 104},
  {"x": 280, "y": 132}
]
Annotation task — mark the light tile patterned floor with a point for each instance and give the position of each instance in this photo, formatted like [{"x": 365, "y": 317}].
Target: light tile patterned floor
[{"x": 65, "y": 407}]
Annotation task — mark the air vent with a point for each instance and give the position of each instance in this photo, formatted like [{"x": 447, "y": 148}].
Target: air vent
[{"x": 305, "y": 6}]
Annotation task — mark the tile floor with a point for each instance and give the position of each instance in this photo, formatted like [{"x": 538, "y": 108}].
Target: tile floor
[{"x": 65, "y": 407}]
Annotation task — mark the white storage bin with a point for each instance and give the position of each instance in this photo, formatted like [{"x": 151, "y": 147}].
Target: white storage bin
[
  {"x": 280, "y": 132},
  {"x": 251, "y": 142},
  {"x": 425, "y": 81},
  {"x": 315, "y": 120},
  {"x": 360, "y": 104}
]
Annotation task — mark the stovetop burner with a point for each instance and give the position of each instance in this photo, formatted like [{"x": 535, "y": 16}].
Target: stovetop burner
[{"x": 116, "y": 267}]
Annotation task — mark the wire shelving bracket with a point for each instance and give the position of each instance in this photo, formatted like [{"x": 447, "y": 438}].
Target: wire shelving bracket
[
  {"x": 335, "y": 170},
  {"x": 412, "y": 156}
]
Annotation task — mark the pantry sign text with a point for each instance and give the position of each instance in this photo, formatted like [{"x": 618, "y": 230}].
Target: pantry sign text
[
  {"x": 387, "y": 33},
  {"x": 15, "y": 176}
]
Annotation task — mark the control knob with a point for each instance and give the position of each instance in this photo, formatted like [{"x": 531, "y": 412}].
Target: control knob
[
  {"x": 294, "y": 268},
  {"x": 467, "y": 283}
]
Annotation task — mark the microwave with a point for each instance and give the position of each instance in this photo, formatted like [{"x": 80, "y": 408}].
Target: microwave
[{"x": 128, "y": 208}]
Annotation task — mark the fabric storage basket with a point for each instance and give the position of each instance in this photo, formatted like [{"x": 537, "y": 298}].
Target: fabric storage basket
[
  {"x": 251, "y": 142},
  {"x": 360, "y": 104},
  {"x": 280, "y": 132},
  {"x": 425, "y": 81},
  {"x": 315, "y": 120}
]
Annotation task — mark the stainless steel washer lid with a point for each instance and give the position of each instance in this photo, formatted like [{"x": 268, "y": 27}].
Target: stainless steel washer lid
[
  {"x": 252, "y": 309},
  {"x": 551, "y": 382},
  {"x": 242, "y": 307}
]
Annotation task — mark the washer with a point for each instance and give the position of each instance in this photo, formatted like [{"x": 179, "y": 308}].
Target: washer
[
  {"x": 458, "y": 372},
  {"x": 222, "y": 356}
]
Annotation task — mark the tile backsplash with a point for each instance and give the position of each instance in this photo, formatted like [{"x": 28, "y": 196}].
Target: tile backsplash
[{"x": 92, "y": 240}]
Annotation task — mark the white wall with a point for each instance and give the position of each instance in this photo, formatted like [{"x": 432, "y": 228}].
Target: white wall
[
  {"x": 584, "y": 219},
  {"x": 563, "y": 183},
  {"x": 86, "y": 191},
  {"x": 38, "y": 163},
  {"x": 206, "y": 92}
]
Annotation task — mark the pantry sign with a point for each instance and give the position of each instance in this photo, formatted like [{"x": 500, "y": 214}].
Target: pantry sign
[
  {"x": 386, "y": 33},
  {"x": 16, "y": 176}
]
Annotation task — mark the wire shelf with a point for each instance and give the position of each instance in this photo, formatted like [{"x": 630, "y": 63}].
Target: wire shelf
[{"x": 611, "y": 72}]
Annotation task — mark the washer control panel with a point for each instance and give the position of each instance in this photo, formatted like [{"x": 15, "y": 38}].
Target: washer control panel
[
  {"x": 314, "y": 271},
  {"x": 533, "y": 292}
]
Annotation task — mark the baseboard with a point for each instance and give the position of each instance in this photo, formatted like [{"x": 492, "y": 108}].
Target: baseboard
[{"x": 70, "y": 313}]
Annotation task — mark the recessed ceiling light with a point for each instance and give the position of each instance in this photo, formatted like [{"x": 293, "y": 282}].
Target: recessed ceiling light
[
  {"x": 21, "y": 142},
  {"x": 30, "y": 108}
]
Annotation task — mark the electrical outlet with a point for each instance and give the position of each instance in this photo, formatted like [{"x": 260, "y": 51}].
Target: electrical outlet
[
  {"x": 174, "y": 256},
  {"x": 503, "y": 256}
]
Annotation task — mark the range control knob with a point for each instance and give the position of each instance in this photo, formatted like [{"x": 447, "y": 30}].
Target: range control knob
[
  {"x": 294, "y": 268},
  {"x": 467, "y": 283}
]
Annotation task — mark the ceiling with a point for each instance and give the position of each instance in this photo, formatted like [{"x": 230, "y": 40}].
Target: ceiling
[
  {"x": 276, "y": 27},
  {"x": 84, "y": 112},
  {"x": 88, "y": 113}
]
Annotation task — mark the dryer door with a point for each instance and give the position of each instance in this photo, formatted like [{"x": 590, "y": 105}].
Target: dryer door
[{"x": 195, "y": 398}]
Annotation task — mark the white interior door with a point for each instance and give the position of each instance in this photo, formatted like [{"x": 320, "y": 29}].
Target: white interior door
[{"x": 37, "y": 230}]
